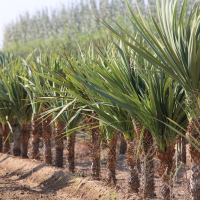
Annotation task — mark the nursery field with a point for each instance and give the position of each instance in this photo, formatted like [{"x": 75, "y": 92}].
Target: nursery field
[
  {"x": 119, "y": 119},
  {"x": 31, "y": 179}
]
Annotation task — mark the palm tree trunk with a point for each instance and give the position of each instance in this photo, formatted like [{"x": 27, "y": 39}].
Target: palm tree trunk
[
  {"x": 17, "y": 141},
  {"x": 1, "y": 139},
  {"x": 35, "y": 138},
  {"x": 70, "y": 152},
  {"x": 112, "y": 160},
  {"x": 5, "y": 136},
  {"x": 134, "y": 183},
  {"x": 95, "y": 149},
  {"x": 182, "y": 148},
  {"x": 94, "y": 145},
  {"x": 138, "y": 130},
  {"x": 193, "y": 130},
  {"x": 123, "y": 145},
  {"x": 25, "y": 134},
  {"x": 166, "y": 170},
  {"x": 147, "y": 184},
  {"x": 59, "y": 126},
  {"x": 46, "y": 136}
]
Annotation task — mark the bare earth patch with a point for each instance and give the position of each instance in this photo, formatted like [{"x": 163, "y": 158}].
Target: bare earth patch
[{"x": 31, "y": 179}]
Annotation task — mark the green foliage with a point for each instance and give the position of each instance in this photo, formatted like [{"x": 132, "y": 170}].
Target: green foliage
[
  {"x": 174, "y": 41},
  {"x": 14, "y": 100},
  {"x": 67, "y": 25},
  {"x": 123, "y": 81}
]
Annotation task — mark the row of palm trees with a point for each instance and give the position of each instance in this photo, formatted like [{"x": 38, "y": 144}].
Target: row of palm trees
[
  {"x": 20, "y": 112},
  {"x": 144, "y": 86},
  {"x": 154, "y": 107},
  {"x": 172, "y": 46},
  {"x": 153, "y": 79}
]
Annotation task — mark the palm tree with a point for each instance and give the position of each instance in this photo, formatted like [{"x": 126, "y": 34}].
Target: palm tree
[
  {"x": 87, "y": 99},
  {"x": 74, "y": 119},
  {"x": 53, "y": 94},
  {"x": 17, "y": 139},
  {"x": 1, "y": 137},
  {"x": 33, "y": 82},
  {"x": 117, "y": 119},
  {"x": 46, "y": 136},
  {"x": 162, "y": 100},
  {"x": 36, "y": 133},
  {"x": 37, "y": 87},
  {"x": 5, "y": 135},
  {"x": 17, "y": 102},
  {"x": 124, "y": 122},
  {"x": 66, "y": 116},
  {"x": 7, "y": 117},
  {"x": 111, "y": 159},
  {"x": 23, "y": 111},
  {"x": 175, "y": 49},
  {"x": 69, "y": 120},
  {"x": 59, "y": 129},
  {"x": 71, "y": 153},
  {"x": 93, "y": 124},
  {"x": 109, "y": 80},
  {"x": 7, "y": 114},
  {"x": 182, "y": 147},
  {"x": 123, "y": 145},
  {"x": 25, "y": 135}
]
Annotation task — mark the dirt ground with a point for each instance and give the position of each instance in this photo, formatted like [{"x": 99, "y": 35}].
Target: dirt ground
[
  {"x": 13, "y": 189},
  {"x": 31, "y": 179}
]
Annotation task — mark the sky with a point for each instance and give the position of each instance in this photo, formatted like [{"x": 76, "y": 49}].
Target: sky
[{"x": 10, "y": 10}]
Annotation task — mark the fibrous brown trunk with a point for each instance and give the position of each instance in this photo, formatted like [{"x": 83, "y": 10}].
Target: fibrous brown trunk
[
  {"x": 25, "y": 134},
  {"x": 182, "y": 148},
  {"x": 46, "y": 136},
  {"x": 111, "y": 160},
  {"x": 134, "y": 183},
  {"x": 147, "y": 184},
  {"x": 35, "y": 137},
  {"x": 138, "y": 130},
  {"x": 59, "y": 127},
  {"x": 95, "y": 149},
  {"x": 17, "y": 141},
  {"x": 166, "y": 170},
  {"x": 193, "y": 130},
  {"x": 123, "y": 145},
  {"x": 70, "y": 152},
  {"x": 6, "y": 140},
  {"x": 1, "y": 139},
  {"x": 94, "y": 145}
]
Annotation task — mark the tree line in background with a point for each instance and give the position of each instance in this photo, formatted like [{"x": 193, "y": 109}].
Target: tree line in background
[{"x": 69, "y": 24}]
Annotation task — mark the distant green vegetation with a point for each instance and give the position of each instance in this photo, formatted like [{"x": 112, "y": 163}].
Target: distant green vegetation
[{"x": 68, "y": 25}]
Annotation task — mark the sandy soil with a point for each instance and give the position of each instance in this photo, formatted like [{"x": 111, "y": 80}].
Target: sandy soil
[
  {"x": 13, "y": 189},
  {"x": 31, "y": 179}
]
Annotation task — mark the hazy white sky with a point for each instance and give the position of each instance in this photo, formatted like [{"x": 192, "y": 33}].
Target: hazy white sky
[{"x": 11, "y": 9}]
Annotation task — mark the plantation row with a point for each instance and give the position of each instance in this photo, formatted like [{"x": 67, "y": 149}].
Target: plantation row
[{"x": 146, "y": 87}]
